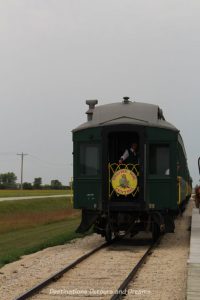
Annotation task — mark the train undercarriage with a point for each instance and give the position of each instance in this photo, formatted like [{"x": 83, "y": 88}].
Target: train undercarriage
[{"x": 115, "y": 223}]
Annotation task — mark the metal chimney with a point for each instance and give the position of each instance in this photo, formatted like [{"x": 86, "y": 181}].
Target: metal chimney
[
  {"x": 89, "y": 112},
  {"x": 126, "y": 100}
]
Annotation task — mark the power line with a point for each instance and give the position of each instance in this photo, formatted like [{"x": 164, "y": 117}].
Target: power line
[
  {"x": 7, "y": 153},
  {"x": 63, "y": 165}
]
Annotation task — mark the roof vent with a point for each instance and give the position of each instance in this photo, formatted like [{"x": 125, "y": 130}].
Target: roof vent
[
  {"x": 160, "y": 114},
  {"x": 90, "y": 111},
  {"x": 126, "y": 100}
]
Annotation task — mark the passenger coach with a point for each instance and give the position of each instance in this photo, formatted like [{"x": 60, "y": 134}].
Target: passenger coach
[{"x": 129, "y": 197}]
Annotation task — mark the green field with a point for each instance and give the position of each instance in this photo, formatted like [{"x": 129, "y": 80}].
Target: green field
[
  {"x": 29, "y": 226},
  {"x": 23, "y": 193}
]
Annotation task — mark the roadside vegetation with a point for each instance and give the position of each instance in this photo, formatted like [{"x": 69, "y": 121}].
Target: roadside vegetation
[
  {"x": 27, "y": 226},
  {"x": 9, "y": 181}
]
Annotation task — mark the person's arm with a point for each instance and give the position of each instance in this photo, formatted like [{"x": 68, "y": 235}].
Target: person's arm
[{"x": 124, "y": 156}]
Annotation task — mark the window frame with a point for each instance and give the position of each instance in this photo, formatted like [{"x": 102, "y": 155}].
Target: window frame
[
  {"x": 157, "y": 175},
  {"x": 85, "y": 144}
]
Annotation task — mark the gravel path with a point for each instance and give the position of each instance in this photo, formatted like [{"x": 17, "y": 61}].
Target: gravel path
[{"x": 33, "y": 197}]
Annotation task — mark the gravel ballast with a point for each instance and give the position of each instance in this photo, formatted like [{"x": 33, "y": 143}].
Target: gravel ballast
[
  {"x": 19, "y": 276},
  {"x": 164, "y": 276}
]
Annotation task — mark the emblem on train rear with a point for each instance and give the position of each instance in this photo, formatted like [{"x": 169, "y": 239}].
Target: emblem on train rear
[{"x": 124, "y": 182}]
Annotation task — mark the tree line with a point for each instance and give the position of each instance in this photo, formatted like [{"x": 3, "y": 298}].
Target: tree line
[{"x": 8, "y": 181}]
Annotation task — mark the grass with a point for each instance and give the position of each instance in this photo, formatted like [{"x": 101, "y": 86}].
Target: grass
[
  {"x": 23, "y": 193},
  {"x": 27, "y": 226},
  {"x": 15, "y": 244}
]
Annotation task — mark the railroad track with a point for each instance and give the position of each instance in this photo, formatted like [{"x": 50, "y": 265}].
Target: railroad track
[
  {"x": 105, "y": 273},
  {"x": 122, "y": 290},
  {"x": 59, "y": 274}
]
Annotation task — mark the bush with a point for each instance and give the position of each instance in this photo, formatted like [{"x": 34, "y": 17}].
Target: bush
[{"x": 27, "y": 186}]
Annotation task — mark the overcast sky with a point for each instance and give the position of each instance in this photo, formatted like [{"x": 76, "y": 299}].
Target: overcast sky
[{"x": 55, "y": 54}]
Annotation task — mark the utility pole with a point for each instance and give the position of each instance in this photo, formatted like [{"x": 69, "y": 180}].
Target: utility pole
[{"x": 22, "y": 166}]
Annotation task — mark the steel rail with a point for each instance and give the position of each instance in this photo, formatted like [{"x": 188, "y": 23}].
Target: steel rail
[
  {"x": 122, "y": 290},
  {"x": 60, "y": 273}
]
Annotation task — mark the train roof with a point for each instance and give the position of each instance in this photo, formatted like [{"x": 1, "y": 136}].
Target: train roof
[{"x": 126, "y": 112}]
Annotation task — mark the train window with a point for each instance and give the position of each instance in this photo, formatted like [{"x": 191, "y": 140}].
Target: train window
[
  {"x": 89, "y": 159},
  {"x": 159, "y": 161}
]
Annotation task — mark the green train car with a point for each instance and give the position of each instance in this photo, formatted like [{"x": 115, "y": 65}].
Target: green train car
[{"x": 129, "y": 195}]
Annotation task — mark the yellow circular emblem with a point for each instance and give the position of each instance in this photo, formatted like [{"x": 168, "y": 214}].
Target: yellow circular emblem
[{"x": 124, "y": 182}]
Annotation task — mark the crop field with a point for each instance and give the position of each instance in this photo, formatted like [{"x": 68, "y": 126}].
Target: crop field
[
  {"x": 27, "y": 226},
  {"x": 22, "y": 193}
]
